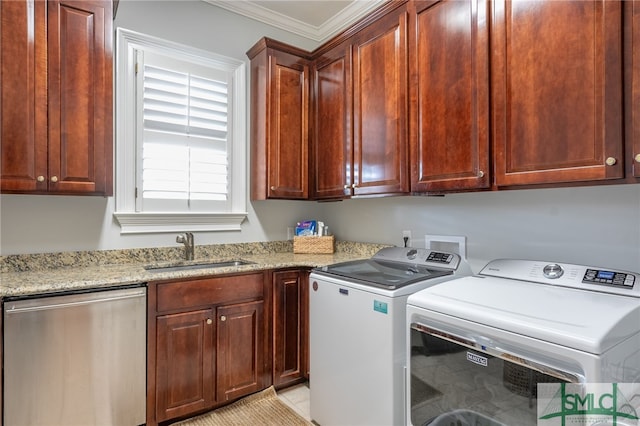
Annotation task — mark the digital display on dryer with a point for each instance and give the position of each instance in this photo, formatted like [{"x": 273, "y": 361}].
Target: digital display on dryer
[{"x": 606, "y": 275}]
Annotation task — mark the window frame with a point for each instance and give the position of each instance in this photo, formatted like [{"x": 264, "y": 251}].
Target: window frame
[{"x": 132, "y": 221}]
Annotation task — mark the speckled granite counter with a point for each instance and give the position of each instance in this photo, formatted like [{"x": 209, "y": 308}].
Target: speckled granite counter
[{"x": 55, "y": 272}]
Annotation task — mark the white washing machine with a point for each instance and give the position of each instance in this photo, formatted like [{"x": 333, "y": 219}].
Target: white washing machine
[
  {"x": 479, "y": 345},
  {"x": 357, "y": 314}
]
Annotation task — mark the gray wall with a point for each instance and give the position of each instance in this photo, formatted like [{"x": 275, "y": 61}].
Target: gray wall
[
  {"x": 590, "y": 225},
  {"x": 593, "y": 225}
]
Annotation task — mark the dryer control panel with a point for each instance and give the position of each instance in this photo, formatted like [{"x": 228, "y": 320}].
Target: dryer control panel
[
  {"x": 599, "y": 276},
  {"x": 566, "y": 275}
]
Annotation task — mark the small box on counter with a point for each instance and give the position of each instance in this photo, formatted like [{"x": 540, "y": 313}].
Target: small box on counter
[{"x": 314, "y": 244}]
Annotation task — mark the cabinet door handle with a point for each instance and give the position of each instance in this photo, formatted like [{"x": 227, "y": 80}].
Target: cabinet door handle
[
  {"x": 346, "y": 187},
  {"x": 54, "y": 179},
  {"x": 40, "y": 178},
  {"x": 480, "y": 173},
  {"x": 209, "y": 321},
  {"x": 637, "y": 158},
  {"x": 354, "y": 185},
  {"x": 611, "y": 161},
  {"x": 223, "y": 318}
]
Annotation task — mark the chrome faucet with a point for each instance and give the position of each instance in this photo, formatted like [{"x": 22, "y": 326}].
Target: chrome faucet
[{"x": 186, "y": 239}]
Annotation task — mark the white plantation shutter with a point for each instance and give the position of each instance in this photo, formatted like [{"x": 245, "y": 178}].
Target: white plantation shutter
[
  {"x": 185, "y": 136},
  {"x": 181, "y": 142}
]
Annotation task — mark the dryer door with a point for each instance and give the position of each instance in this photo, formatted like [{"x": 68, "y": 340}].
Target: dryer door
[{"x": 455, "y": 382}]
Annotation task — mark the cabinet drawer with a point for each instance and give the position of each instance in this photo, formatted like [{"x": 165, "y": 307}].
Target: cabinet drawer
[{"x": 208, "y": 291}]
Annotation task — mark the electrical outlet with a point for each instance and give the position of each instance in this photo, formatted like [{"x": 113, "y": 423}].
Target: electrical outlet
[{"x": 407, "y": 235}]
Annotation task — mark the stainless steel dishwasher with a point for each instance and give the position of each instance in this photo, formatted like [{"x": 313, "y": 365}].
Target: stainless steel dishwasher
[{"x": 76, "y": 359}]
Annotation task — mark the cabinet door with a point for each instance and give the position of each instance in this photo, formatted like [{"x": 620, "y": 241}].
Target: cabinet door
[
  {"x": 290, "y": 333},
  {"x": 332, "y": 118},
  {"x": 23, "y": 96},
  {"x": 634, "y": 90},
  {"x": 288, "y": 123},
  {"x": 449, "y": 96},
  {"x": 80, "y": 96},
  {"x": 380, "y": 106},
  {"x": 241, "y": 346},
  {"x": 184, "y": 363},
  {"x": 557, "y": 91}
]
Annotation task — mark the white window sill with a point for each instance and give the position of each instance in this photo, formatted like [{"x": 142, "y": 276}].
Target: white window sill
[{"x": 144, "y": 223}]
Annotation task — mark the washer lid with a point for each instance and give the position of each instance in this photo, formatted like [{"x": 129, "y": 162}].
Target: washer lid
[
  {"x": 381, "y": 273},
  {"x": 584, "y": 320}
]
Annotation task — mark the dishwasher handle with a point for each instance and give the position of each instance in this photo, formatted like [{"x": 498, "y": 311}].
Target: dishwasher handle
[{"x": 71, "y": 300}]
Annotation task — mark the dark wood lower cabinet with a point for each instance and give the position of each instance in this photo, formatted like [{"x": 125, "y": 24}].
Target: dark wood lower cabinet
[
  {"x": 184, "y": 363},
  {"x": 290, "y": 327},
  {"x": 240, "y": 348},
  {"x": 214, "y": 340},
  {"x": 208, "y": 343}
]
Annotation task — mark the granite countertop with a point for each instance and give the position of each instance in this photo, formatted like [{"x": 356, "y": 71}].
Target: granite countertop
[{"x": 22, "y": 275}]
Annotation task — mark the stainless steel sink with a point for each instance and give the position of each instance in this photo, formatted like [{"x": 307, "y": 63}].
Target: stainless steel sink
[{"x": 201, "y": 265}]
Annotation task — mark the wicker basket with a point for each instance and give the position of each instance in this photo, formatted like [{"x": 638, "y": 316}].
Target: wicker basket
[{"x": 317, "y": 245}]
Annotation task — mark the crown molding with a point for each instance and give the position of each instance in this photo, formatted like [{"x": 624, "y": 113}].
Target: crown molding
[{"x": 331, "y": 27}]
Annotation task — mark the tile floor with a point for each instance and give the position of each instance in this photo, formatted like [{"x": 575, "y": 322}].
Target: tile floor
[{"x": 297, "y": 397}]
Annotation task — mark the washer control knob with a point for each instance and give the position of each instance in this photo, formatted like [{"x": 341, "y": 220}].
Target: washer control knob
[
  {"x": 411, "y": 254},
  {"x": 553, "y": 271}
]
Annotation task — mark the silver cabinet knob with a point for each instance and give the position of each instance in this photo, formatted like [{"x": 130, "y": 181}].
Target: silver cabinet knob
[
  {"x": 209, "y": 321},
  {"x": 346, "y": 187},
  {"x": 480, "y": 173},
  {"x": 354, "y": 185},
  {"x": 273, "y": 188},
  {"x": 637, "y": 158},
  {"x": 611, "y": 161},
  {"x": 223, "y": 318},
  {"x": 54, "y": 179},
  {"x": 40, "y": 178}
]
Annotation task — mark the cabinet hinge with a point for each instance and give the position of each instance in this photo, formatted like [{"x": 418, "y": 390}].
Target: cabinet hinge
[
  {"x": 136, "y": 74},
  {"x": 136, "y": 192}
]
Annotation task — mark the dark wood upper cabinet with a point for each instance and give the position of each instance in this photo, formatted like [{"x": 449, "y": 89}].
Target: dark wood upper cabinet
[
  {"x": 332, "y": 118},
  {"x": 633, "y": 83},
  {"x": 23, "y": 92},
  {"x": 57, "y": 95},
  {"x": 279, "y": 121},
  {"x": 449, "y": 69},
  {"x": 380, "y": 106},
  {"x": 557, "y": 91},
  {"x": 440, "y": 96},
  {"x": 80, "y": 96}
]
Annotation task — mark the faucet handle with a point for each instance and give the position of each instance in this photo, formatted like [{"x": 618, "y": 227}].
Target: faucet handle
[{"x": 181, "y": 238}]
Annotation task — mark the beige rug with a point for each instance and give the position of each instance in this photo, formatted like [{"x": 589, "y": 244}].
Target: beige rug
[{"x": 262, "y": 408}]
